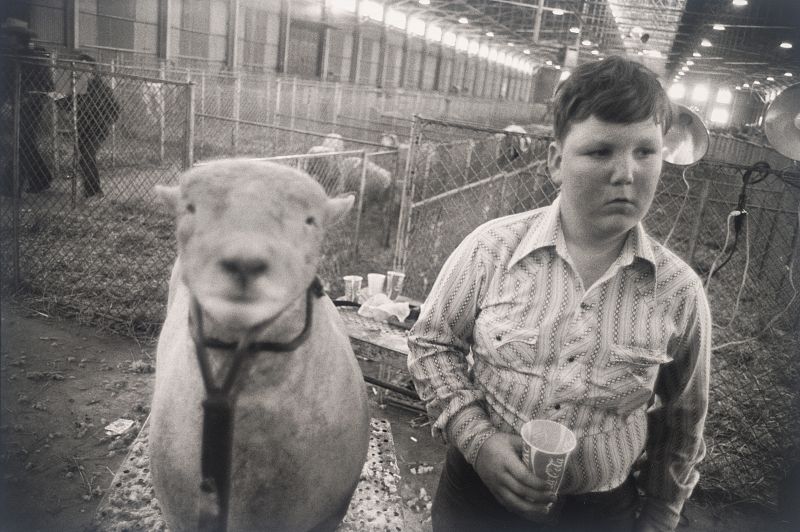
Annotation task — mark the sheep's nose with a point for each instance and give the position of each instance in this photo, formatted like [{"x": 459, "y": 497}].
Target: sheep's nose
[{"x": 244, "y": 269}]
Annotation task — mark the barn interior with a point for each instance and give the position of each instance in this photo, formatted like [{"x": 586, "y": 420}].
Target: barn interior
[{"x": 437, "y": 115}]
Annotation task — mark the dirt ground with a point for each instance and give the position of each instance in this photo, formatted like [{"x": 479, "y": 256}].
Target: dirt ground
[{"x": 63, "y": 383}]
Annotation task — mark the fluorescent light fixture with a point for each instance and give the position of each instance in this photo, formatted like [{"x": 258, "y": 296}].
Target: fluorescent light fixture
[
  {"x": 745, "y": 85},
  {"x": 677, "y": 91},
  {"x": 696, "y": 54},
  {"x": 738, "y": 87},
  {"x": 490, "y": 34},
  {"x": 787, "y": 45},
  {"x": 689, "y": 63},
  {"x": 416, "y": 26},
  {"x": 700, "y": 93},
  {"x": 526, "y": 51},
  {"x": 511, "y": 44},
  {"x": 705, "y": 43},
  {"x": 371, "y": 9},
  {"x": 557, "y": 67},
  {"x": 595, "y": 52},
  {"x": 681, "y": 73},
  {"x": 720, "y": 115},
  {"x": 463, "y": 20},
  {"x": 574, "y": 29},
  {"x": 558, "y": 12},
  {"x": 425, "y": 2},
  {"x": 449, "y": 38},
  {"x": 770, "y": 78},
  {"x": 396, "y": 18},
  {"x": 740, "y": 3},
  {"x": 724, "y": 95},
  {"x": 586, "y": 42},
  {"x": 756, "y": 82},
  {"x": 685, "y": 68},
  {"x": 718, "y": 27},
  {"x": 788, "y": 74},
  {"x": 548, "y": 63},
  {"x": 345, "y": 5}
]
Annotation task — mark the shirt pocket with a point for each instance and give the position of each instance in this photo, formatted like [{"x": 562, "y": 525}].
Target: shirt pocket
[
  {"x": 624, "y": 379},
  {"x": 509, "y": 348}
]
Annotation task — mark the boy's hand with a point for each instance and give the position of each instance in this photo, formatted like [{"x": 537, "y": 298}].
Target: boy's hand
[{"x": 500, "y": 466}]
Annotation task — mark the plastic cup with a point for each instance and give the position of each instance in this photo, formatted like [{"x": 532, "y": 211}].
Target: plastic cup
[
  {"x": 352, "y": 285},
  {"x": 547, "y": 446},
  {"x": 394, "y": 284},
  {"x": 375, "y": 283}
]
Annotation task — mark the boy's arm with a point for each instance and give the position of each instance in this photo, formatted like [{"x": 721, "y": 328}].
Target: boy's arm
[
  {"x": 439, "y": 344},
  {"x": 675, "y": 443}
]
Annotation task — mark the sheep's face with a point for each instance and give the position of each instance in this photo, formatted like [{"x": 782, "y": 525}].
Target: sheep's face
[{"x": 249, "y": 236}]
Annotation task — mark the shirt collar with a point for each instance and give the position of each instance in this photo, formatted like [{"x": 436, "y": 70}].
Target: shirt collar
[{"x": 547, "y": 233}]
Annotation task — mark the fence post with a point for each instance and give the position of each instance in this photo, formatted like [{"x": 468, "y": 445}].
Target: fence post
[
  {"x": 361, "y": 188},
  {"x": 73, "y": 83},
  {"x": 188, "y": 150},
  {"x": 406, "y": 198},
  {"x": 276, "y": 113},
  {"x": 337, "y": 102},
  {"x": 54, "y": 120},
  {"x": 202, "y": 124},
  {"x": 237, "y": 103},
  {"x": 113, "y": 124},
  {"x": 696, "y": 227},
  {"x": 162, "y": 110},
  {"x": 292, "y": 104},
  {"x": 16, "y": 186}
]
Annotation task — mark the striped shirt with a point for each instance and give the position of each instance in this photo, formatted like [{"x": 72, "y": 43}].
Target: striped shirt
[{"x": 542, "y": 346}]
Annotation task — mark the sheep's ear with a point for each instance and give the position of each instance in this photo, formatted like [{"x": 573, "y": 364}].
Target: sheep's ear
[
  {"x": 338, "y": 208},
  {"x": 169, "y": 195}
]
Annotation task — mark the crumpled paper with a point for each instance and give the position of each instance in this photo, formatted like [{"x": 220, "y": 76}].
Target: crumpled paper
[{"x": 379, "y": 307}]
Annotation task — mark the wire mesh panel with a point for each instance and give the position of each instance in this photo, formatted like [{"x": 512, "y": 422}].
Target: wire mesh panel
[
  {"x": 747, "y": 261},
  {"x": 80, "y": 226}
]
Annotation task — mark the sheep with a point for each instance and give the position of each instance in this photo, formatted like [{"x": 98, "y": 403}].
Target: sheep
[
  {"x": 325, "y": 169},
  {"x": 377, "y": 182},
  {"x": 249, "y": 239}
]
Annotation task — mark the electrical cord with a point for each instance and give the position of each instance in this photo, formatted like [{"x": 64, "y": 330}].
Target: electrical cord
[{"x": 680, "y": 210}]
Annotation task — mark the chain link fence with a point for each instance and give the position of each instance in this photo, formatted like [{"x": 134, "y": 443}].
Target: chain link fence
[
  {"x": 752, "y": 431},
  {"x": 80, "y": 227}
]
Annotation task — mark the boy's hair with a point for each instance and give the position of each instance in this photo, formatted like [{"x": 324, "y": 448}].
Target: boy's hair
[{"x": 615, "y": 90}]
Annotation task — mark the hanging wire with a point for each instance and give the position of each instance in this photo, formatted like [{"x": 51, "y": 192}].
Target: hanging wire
[{"x": 680, "y": 210}]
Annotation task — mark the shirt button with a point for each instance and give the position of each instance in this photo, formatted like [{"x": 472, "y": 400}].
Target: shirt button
[
  {"x": 586, "y": 306},
  {"x": 498, "y": 337}
]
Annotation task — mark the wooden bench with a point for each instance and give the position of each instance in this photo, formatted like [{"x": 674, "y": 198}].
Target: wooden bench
[{"x": 129, "y": 504}]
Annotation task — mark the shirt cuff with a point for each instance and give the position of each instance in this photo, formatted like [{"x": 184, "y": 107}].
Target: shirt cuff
[
  {"x": 660, "y": 514},
  {"x": 468, "y": 430}
]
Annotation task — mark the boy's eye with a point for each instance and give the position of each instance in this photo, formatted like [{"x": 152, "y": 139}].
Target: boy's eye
[
  {"x": 311, "y": 221},
  {"x": 190, "y": 208},
  {"x": 644, "y": 152},
  {"x": 600, "y": 152}
]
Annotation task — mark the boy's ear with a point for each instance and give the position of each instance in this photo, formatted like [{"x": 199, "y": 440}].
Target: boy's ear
[{"x": 554, "y": 161}]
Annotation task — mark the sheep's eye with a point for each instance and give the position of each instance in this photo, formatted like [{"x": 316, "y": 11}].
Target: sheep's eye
[
  {"x": 190, "y": 208},
  {"x": 311, "y": 220}
]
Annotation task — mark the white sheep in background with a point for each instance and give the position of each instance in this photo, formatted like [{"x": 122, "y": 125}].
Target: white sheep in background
[
  {"x": 250, "y": 237},
  {"x": 325, "y": 169},
  {"x": 377, "y": 183}
]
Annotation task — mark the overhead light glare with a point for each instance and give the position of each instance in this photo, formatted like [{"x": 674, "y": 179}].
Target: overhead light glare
[
  {"x": 595, "y": 52},
  {"x": 548, "y": 63},
  {"x": 681, "y": 73},
  {"x": 756, "y": 82},
  {"x": 463, "y": 20},
  {"x": 705, "y": 43},
  {"x": 788, "y": 74},
  {"x": 574, "y": 29},
  {"x": 685, "y": 68},
  {"x": 526, "y": 51},
  {"x": 696, "y": 54},
  {"x": 677, "y": 91},
  {"x": 558, "y": 12},
  {"x": 425, "y": 2},
  {"x": 770, "y": 78},
  {"x": 718, "y": 27},
  {"x": 490, "y": 34},
  {"x": 724, "y": 96},
  {"x": 787, "y": 45},
  {"x": 745, "y": 85},
  {"x": 700, "y": 93},
  {"x": 511, "y": 44},
  {"x": 740, "y": 3},
  {"x": 586, "y": 42},
  {"x": 689, "y": 63}
]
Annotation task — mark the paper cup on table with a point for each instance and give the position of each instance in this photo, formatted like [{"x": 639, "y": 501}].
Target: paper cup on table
[
  {"x": 375, "y": 283},
  {"x": 546, "y": 448},
  {"x": 352, "y": 285},
  {"x": 394, "y": 284}
]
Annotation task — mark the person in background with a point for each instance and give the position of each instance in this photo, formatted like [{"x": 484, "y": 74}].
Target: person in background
[
  {"x": 36, "y": 88},
  {"x": 97, "y": 111},
  {"x": 572, "y": 313}
]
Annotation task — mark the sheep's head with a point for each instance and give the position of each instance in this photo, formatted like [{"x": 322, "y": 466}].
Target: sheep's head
[
  {"x": 334, "y": 142},
  {"x": 249, "y": 236},
  {"x": 390, "y": 140}
]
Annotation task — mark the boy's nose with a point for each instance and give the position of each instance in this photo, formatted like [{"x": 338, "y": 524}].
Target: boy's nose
[{"x": 624, "y": 168}]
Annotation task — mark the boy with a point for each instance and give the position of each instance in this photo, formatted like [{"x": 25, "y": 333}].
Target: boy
[{"x": 572, "y": 313}]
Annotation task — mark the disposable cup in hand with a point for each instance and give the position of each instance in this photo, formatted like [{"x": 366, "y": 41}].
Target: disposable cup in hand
[
  {"x": 546, "y": 448},
  {"x": 394, "y": 284},
  {"x": 375, "y": 283},
  {"x": 352, "y": 285}
]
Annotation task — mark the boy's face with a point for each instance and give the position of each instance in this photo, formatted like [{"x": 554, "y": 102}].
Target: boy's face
[{"x": 608, "y": 175}]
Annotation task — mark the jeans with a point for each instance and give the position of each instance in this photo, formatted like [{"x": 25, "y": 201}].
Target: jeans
[{"x": 464, "y": 504}]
